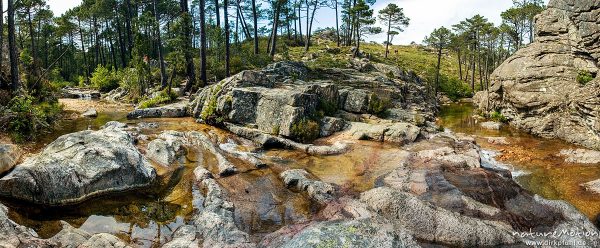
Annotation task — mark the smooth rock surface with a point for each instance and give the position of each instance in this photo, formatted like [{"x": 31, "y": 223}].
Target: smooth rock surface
[
  {"x": 581, "y": 156},
  {"x": 78, "y": 166}
]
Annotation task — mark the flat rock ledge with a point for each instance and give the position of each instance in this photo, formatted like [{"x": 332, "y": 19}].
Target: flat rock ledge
[{"x": 319, "y": 191}]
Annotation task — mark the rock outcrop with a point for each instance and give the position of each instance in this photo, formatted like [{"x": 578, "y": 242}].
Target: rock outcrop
[
  {"x": 78, "y": 166},
  {"x": 286, "y": 98},
  {"x": 299, "y": 179},
  {"x": 173, "y": 110},
  {"x": 540, "y": 89}
]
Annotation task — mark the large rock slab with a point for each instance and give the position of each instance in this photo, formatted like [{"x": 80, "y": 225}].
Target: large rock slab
[
  {"x": 537, "y": 88},
  {"x": 581, "y": 156},
  {"x": 78, "y": 166},
  {"x": 9, "y": 156},
  {"x": 402, "y": 133}
]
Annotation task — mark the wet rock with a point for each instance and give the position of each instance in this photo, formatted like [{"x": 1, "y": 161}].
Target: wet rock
[
  {"x": 433, "y": 224},
  {"x": 78, "y": 166},
  {"x": 331, "y": 125},
  {"x": 223, "y": 164},
  {"x": 498, "y": 140},
  {"x": 184, "y": 237},
  {"x": 402, "y": 133},
  {"x": 593, "y": 186},
  {"x": 70, "y": 237},
  {"x": 491, "y": 125},
  {"x": 463, "y": 155},
  {"x": 174, "y": 110},
  {"x": 581, "y": 156},
  {"x": 368, "y": 232},
  {"x": 537, "y": 87},
  {"x": 251, "y": 158},
  {"x": 9, "y": 156},
  {"x": 267, "y": 140},
  {"x": 15, "y": 235},
  {"x": 215, "y": 222},
  {"x": 104, "y": 240},
  {"x": 116, "y": 95},
  {"x": 167, "y": 148},
  {"x": 92, "y": 113},
  {"x": 319, "y": 191},
  {"x": 148, "y": 125},
  {"x": 80, "y": 93}
]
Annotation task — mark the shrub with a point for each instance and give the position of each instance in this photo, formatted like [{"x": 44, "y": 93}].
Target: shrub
[
  {"x": 378, "y": 106},
  {"x": 305, "y": 131},
  {"x": 584, "y": 77},
  {"x": 454, "y": 88},
  {"x": 498, "y": 117},
  {"x": 104, "y": 79},
  {"x": 24, "y": 119},
  {"x": 130, "y": 81},
  {"x": 329, "y": 108},
  {"x": 162, "y": 98}
]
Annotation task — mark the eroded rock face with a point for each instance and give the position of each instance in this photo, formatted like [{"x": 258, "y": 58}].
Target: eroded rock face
[
  {"x": 537, "y": 88},
  {"x": 317, "y": 190},
  {"x": 174, "y": 110},
  {"x": 78, "y": 166}
]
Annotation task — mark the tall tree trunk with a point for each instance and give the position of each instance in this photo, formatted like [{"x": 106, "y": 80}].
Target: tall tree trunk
[
  {"x": 33, "y": 46},
  {"x": 161, "y": 56},
  {"x": 202, "y": 43},
  {"x": 189, "y": 60},
  {"x": 12, "y": 48},
  {"x": 85, "y": 60},
  {"x": 460, "y": 72},
  {"x": 1, "y": 35},
  {"x": 337, "y": 25},
  {"x": 437, "y": 71},
  {"x": 226, "y": 19},
  {"x": 217, "y": 13},
  {"x": 300, "y": 20},
  {"x": 128, "y": 15},
  {"x": 255, "y": 18},
  {"x": 275, "y": 25},
  {"x": 121, "y": 45},
  {"x": 309, "y": 25},
  {"x": 387, "y": 43}
]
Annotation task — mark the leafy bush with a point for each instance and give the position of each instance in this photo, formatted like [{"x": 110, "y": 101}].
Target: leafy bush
[
  {"x": 24, "y": 119},
  {"x": 162, "y": 98},
  {"x": 104, "y": 79},
  {"x": 584, "y": 77},
  {"x": 305, "y": 131},
  {"x": 130, "y": 81},
  {"x": 454, "y": 88},
  {"x": 378, "y": 106},
  {"x": 498, "y": 117}
]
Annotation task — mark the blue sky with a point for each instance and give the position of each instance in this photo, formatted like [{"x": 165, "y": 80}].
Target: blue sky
[{"x": 425, "y": 15}]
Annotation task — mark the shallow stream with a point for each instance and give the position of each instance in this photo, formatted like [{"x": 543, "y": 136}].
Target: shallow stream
[{"x": 535, "y": 161}]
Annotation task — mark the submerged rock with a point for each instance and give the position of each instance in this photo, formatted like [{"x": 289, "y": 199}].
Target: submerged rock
[
  {"x": 539, "y": 88},
  {"x": 78, "y": 166},
  {"x": 491, "y": 125},
  {"x": 317, "y": 190},
  {"x": 92, "y": 113},
  {"x": 166, "y": 149},
  {"x": 9, "y": 156}
]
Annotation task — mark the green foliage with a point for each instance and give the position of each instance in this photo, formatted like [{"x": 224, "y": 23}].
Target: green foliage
[
  {"x": 305, "y": 131},
  {"x": 130, "y": 81},
  {"x": 162, "y": 98},
  {"x": 584, "y": 77},
  {"x": 498, "y": 117},
  {"x": 104, "y": 79},
  {"x": 61, "y": 84},
  {"x": 209, "y": 112},
  {"x": 454, "y": 88},
  {"x": 24, "y": 118},
  {"x": 379, "y": 106},
  {"x": 329, "y": 108}
]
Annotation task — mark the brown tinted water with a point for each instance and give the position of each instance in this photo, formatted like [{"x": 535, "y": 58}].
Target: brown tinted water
[
  {"x": 148, "y": 219},
  {"x": 546, "y": 173}
]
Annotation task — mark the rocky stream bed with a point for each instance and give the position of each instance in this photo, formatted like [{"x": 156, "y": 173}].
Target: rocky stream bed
[{"x": 158, "y": 178}]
